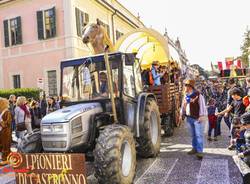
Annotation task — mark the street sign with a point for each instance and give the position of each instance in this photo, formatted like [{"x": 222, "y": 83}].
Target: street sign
[
  {"x": 40, "y": 83},
  {"x": 48, "y": 168}
]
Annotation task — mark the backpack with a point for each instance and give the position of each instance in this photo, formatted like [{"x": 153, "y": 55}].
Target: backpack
[{"x": 150, "y": 78}]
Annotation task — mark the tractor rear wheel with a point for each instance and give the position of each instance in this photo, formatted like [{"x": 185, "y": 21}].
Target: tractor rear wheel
[
  {"x": 115, "y": 155},
  {"x": 150, "y": 133}
]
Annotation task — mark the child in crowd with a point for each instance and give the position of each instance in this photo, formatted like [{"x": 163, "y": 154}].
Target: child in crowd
[{"x": 212, "y": 119}]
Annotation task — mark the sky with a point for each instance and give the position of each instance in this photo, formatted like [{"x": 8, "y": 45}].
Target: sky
[{"x": 209, "y": 30}]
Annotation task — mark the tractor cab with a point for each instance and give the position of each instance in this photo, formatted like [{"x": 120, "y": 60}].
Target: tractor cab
[{"x": 85, "y": 80}]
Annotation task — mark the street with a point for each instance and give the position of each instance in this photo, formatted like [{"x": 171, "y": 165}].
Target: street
[{"x": 174, "y": 166}]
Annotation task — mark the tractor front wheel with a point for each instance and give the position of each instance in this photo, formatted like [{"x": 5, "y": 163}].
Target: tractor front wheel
[{"x": 115, "y": 155}]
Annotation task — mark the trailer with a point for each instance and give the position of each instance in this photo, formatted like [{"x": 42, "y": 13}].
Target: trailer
[
  {"x": 148, "y": 46},
  {"x": 169, "y": 102}
]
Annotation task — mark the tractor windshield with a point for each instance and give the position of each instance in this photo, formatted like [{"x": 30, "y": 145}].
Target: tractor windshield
[{"x": 88, "y": 82}]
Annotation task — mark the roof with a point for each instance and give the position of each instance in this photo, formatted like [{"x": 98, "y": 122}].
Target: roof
[
  {"x": 91, "y": 59},
  {"x": 149, "y": 45}
]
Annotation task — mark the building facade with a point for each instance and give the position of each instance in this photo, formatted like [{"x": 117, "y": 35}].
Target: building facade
[{"x": 35, "y": 36}]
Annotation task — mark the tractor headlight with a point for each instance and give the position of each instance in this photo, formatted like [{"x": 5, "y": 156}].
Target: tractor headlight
[
  {"x": 58, "y": 128},
  {"x": 46, "y": 128}
]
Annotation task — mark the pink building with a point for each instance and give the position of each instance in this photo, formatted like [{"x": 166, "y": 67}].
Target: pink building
[{"x": 36, "y": 35}]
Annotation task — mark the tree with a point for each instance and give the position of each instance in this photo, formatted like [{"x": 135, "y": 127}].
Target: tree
[
  {"x": 245, "y": 48},
  {"x": 201, "y": 70}
]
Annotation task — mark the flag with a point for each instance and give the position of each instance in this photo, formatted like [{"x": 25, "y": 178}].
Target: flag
[
  {"x": 239, "y": 64},
  {"x": 229, "y": 62},
  {"x": 220, "y": 66}
]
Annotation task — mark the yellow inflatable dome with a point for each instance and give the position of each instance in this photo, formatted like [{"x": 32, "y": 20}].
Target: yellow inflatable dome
[{"x": 149, "y": 45}]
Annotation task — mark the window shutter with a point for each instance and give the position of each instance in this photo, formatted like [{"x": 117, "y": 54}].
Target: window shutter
[
  {"x": 6, "y": 33},
  {"x": 19, "y": 31},
  {"x": 78, "y": 26},
  {"x": 86, "y": 18},
  {"x": 39, "y": 16},
  {"x": 54, "y": 22}
]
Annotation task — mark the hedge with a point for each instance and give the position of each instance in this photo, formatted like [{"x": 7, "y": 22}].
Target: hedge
[{"x": 27, "y": 92}]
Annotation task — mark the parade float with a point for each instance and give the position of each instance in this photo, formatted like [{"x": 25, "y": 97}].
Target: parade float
[
  {"x": 107, "y": 114},
  {"x": 148, "y": 46}
]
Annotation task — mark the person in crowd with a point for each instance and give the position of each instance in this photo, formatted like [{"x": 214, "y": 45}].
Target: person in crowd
[
  {"x": 247, "y": 88},
  {"x": 57, "y": 100},
  {"x": 155, "y": 73},
  {"x": 195, "y": 111},
  {"x": 238, "y": 109},
  {"x": 52, "y": 105},
  {"x": 5, "y": 130},
  {"x": 212, "y": 119},
  {"x": 22, "y": 117},
  {"x": 232, "y": 85},
  {"x": 103, "y": 84},
  {"x": 12, "y": 106},
  {"x": 61, "y": 101},
  {"x": 165, "y": 76},
  {"x": 172, "y": 72},
  {"x": 43, "y": 105},
  {"x": 36, "y": 115},
  {"x": 245, "y": 125},
  {"x": 145, "y": 77},
  {"x": 221, "y": 104}
]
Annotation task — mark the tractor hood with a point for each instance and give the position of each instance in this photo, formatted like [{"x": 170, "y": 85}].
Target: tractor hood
[{"x": 66, "y": 114}]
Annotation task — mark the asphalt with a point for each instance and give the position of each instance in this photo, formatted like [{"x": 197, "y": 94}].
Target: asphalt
[{"x": 174, "y": 166}]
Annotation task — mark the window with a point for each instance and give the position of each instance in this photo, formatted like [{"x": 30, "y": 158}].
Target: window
[
  {"x": 12, "y": 31},
  {"x": 118, "y": 34},
  {"x": 128, "y": 81},
  {"x": 137, "y": 74},
  {"x": 16, "y": 81},
  {"x": 46, "y": 23},
  {"x": 106, "y": 26},
  {"x": 52, "y": 83},
  {"x": 82, "y": 19}
]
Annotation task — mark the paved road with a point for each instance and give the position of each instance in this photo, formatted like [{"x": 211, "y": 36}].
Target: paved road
[{"x": 174, "y": 166}]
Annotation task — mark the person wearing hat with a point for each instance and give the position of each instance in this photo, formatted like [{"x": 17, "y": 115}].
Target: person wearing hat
[
  {"x": 155, "y": 74},
  {"x": 195, "y": 111}
]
